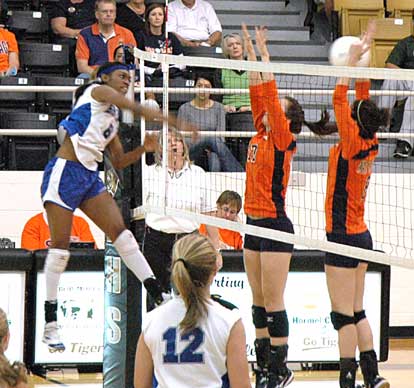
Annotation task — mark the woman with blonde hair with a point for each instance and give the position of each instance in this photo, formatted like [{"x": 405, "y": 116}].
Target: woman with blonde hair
[
  {"x": 186, "y": 189},
  {"x": 11, "y": 375},
  {"x": 233, "y": 48},
  {"x": 192, "y": 341}
]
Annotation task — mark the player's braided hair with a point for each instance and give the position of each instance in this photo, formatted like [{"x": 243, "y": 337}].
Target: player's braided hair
[{"x": 194, "y": 262}]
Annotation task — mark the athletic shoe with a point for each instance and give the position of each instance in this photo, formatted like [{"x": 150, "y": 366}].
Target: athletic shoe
[
  {"x": 261, "y": 378},
  {"x": 280, "y": 381},
  {"x": 51, "y": 337},
  {"x": 379, "y": 382},
  {"x": 402, "y": 150}
]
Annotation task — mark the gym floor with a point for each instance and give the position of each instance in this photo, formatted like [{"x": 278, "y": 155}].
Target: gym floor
[{"x": 399, "y": 370}]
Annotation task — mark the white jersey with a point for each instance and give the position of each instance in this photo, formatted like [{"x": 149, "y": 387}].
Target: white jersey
[
  {"x": 193, "y": 359},
  {"x": 91, "y": 126}
]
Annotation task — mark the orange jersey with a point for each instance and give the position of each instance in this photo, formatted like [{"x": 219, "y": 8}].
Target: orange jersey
[
  {"x": 230, "y": 238},
  {"x": 350, "y": 167},
  {"x": 269, "y": 156},
  {"x": 36, "y": 234},
  {"x": 8, "y": 44}
]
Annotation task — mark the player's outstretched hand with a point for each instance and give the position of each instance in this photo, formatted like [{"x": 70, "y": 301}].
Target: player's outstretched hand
[
  {"x": 247, "y": 39},
  {"x": 261, "y": 43}
]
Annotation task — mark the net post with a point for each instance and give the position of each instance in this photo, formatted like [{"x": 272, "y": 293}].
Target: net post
[{"x": 122, "y": 289}]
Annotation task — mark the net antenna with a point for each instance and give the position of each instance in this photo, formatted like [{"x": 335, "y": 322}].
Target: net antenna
[{"x": 389, "y": 207}]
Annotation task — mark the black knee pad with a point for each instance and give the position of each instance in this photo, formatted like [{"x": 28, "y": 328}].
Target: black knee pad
[
  {"x": 359, "y": 316},
  {"x": 278, "y": 324},
  {"x": 340, "y": 320},
  {"x": 259, "y": 317}
]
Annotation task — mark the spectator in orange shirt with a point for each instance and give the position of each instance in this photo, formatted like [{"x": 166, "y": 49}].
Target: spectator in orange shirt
[
  {"x": 9, "y": 53},
  {"x": 96, "y": 44},
  {"x": 36, "y": 234},
  {"x": 228, "y": 207}
]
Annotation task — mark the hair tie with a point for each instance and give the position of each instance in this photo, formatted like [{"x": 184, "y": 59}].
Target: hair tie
[
  {"x": 182, "y": 260},
  {"x": 359, "y": 117}
]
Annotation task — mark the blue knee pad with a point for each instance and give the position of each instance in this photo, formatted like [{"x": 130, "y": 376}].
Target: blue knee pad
[
  {"x": 340, "y": 320},
  {"x": 278, "y": 324},
  {"x": 259, "y": 317},
  {"x": 359, "y": 316}
]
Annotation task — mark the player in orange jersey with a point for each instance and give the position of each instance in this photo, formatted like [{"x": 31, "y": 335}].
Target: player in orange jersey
[
  {"x": 350, "y": 167},
  {"x": 267, "y": 175}
]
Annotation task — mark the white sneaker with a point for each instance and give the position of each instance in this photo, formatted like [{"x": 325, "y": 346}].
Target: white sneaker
[{"x": 51, "y": 337}]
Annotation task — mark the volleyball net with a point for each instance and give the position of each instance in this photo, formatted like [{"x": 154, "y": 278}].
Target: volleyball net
[{"x": 389, "y": 206}]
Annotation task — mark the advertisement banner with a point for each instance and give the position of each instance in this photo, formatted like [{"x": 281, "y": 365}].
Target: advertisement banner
[
  {"x": 12, "y": 291},
  {"x": 312, "y": 337},
  {"x": 80, "y": 317}
]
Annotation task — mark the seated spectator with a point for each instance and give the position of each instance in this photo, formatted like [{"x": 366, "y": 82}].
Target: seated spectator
[
  {"x": 9, "y": 53},
  {"x": 131, "y": 15},
  {"x": 401, "y": 57},
  {"x": 96, "y": 44},
  {"x": 208, "y": 115},
  {"x": 67, "y": 18},
  {"x": 194, "y": 22},
  {"x": 233, "y": 79},
  {"x": 153, "y": 39},
  {"x": 228, "y": 207},
  {"x": 36, "y": 234},
  {"x": 11, "y": 375}
]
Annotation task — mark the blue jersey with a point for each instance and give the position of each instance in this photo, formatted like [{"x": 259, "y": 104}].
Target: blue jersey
[{"x": 91, "y": 126}]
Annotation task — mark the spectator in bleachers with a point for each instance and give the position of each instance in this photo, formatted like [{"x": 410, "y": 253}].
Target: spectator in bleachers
[
  {"x": 233, "y": 48},
  {"x": 36, "y": 233},
  {"x": 12, "y": 375},
  {"x": 67, "y": 18},
  {"x": 194, "y": 22},
  {"x": 228, "y": 204},
  {"x": 153, "y": 39},
  {"x": 401, "y": 57},
  {"x": 96, "y": 44},
  {"x": 208, "y": 115},
  {"x": 9, "y": 53},
  {"x": 131, "y": 15}
]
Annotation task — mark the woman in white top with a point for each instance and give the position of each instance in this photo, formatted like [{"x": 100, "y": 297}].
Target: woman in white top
[
  {"x": 71, "y": 180},
  {"x": 185, "y": 189},
  {"x": 192, "y": 341}
]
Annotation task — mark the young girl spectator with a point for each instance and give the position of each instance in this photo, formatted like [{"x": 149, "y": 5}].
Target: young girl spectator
[
  {"x": 267, "y": 176},
  {"x": 350, "y": 167},
  {"x": 228, "y": 204},
  {"x": 208, "y": 115},
  {"x": 192, "y": 341},
  {"x": 153, "y": 39}
]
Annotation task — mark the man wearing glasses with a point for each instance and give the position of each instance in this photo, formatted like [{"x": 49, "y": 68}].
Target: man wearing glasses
[{"x": 96, "y": 44}]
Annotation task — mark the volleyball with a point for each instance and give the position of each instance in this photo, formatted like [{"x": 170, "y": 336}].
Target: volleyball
[{"x": 338, "y": 53}]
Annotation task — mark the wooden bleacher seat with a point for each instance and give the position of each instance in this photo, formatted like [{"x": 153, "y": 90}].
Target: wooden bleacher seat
[
  {"x": 351, "y": 12},
  {"x": 402, "y": 9},
  {"x": 389, "y": 31}
]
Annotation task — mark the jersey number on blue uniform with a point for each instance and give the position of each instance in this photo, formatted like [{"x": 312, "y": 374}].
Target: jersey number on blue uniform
[{"x": 194, "y": 338}]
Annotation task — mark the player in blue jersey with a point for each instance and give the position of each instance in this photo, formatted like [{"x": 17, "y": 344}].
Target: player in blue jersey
[
  {"x": 192, "y": 341},
  {"x": 71, "y": 180}
]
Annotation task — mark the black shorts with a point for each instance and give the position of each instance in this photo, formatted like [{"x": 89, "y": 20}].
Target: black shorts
[
  {"x": 360, "y": 240},
  {"x": 260, "y": 244}
]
